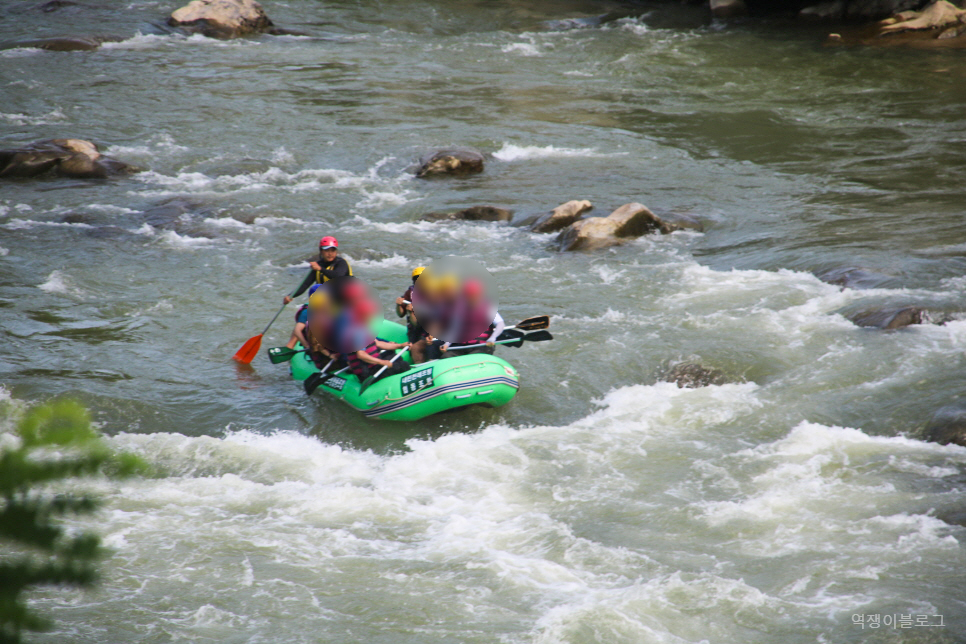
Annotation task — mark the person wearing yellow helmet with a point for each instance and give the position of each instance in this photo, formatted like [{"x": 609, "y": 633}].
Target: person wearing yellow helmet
[{"x": 415, "y": 334}]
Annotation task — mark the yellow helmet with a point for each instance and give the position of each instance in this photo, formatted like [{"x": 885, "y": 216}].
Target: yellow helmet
[
  {"x": 418, "y": 271},
  {"x": 318, "y": 300}
]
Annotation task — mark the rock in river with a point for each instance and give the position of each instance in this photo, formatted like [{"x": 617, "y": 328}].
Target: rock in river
[
  {"x": 690, "y": 375},
  {"x": 727, "y": 8},
  {"x": 221, "y": 18},
  {"x": 475, "y": 213},
  {"x": 941, "y": 24},
  {"x": 453, "y": 161},
  {"x": 948, "y": 425},
  {"x": 68, "y": 43},
  {"x": 890, "y": 318},
  {"x": 67, "y": 157},
  {"x": 561, "y": 216},
  {"x": 629, "y": 221}
]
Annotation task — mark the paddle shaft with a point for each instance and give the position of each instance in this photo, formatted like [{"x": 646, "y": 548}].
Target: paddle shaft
[{"x": 477, "y": 346}]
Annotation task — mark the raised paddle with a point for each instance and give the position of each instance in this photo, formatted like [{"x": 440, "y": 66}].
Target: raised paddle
[
  {"x": 249, "y": 350},
  {"x": 371, "y": 379},
  {"x": 532, "y": 324}
]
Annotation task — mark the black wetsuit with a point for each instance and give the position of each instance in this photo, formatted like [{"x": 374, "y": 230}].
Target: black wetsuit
[{"x": 338, "y": 268}]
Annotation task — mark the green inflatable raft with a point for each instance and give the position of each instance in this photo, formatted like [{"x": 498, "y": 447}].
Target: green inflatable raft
[{"x": 426, "y": 389}]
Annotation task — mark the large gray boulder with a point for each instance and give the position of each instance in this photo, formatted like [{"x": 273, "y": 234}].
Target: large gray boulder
[
  {"x": 561, "y": 216},
  {"x": 221, "y": 18},
  {"x": 455, "y": 161},
  {"x": 627, "y": 222},
  {"x": 67, "y": 157}
]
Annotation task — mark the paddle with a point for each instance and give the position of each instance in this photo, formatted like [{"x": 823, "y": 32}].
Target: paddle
[
  {"x": 536, "y": 336},
  {"x": 320, "y": 377},
  {"x": 249, "y": 350},
  {"x": 532, "y": 324},
  {"x": 283, "y": 354},
  {"x": 368, "y": 381}
]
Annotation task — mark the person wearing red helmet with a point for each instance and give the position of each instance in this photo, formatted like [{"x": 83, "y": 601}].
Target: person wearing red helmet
[{"x": 327, "y": 267}]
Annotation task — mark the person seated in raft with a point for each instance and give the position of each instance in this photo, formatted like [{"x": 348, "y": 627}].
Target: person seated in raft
[
  {"x": 470, "y": 316},
  {"x": 328, "y": 266},
  {"x": 366, "y": 362},
  {"x": 301, "y": 317},
  {"x": 315, "y": 331},
  {"x": 483, "y": 343},
  {"x": 417, "y": 336}
]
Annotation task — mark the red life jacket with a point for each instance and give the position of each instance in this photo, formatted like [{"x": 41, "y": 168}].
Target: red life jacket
[{"x": 357, "y": 366}]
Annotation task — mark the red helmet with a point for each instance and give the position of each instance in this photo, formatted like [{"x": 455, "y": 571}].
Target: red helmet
[{"x": 328, "y": 242}]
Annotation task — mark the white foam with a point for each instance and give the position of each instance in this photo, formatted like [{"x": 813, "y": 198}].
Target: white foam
[
  {"x": 4, "y": 251},
  {"x": 58, "y": 282},
  {"x": 394, "y": 262},
  {"x": 522, "y": 48},
  {"x": 176, "y": 240},
  {"x": 26, "y": 224},
  {"x": 54, "y": 116},
  {"x": 511, "y": 152}
]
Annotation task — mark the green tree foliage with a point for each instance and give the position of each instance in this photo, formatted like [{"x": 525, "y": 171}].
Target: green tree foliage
[{"x": 52, "y": 446}]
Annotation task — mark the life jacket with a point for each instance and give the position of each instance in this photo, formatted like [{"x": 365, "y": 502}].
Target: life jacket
[
  {"x": 322, "y": 279},
  {"x": 298, "y": 312},
  {"x": 357, "y": 366}
]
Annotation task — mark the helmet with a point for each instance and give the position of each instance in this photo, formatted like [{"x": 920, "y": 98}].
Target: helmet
[
  {"x": 328, "y": 242},
  {"x": 418, "y": 271},
  {"x": 314, "y": 288},
  {"x": 473, "y": 289},
  {"x": 318, "y": 300}
]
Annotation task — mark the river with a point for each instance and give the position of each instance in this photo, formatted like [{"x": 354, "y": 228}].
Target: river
[{"x": 600, "y": 505}]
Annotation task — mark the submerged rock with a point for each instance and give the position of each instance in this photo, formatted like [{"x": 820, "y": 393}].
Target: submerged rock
[
  {"x": 947, "y": 425},
  {"x": 475, "y": 213},
  {"x": 56, "y": 44},
  {"x": 452, "y": 161},
  {"x": 221, "y": 18},
  {"x": 890, "y": 318},
  {"x": 690, "y": 375},
  {"x": 561, "y": 216},
  {"x": 855, "y": 277},
  {"x": 67, "y": 157},
  {"x": 629, "y": 221}
]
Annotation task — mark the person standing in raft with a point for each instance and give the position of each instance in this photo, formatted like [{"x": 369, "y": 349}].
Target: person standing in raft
[
  {"x": 417, "y": 336},
  {"x": 328, "y": 266}
]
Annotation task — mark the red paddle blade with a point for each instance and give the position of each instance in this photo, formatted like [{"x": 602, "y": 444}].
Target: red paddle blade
[{"x": 249, "y": 350}]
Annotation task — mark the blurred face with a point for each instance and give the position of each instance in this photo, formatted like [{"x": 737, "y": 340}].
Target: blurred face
[{"x": 329, "y": 254}]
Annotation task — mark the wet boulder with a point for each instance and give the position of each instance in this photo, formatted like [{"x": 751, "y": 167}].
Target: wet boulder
[
  {"x": 727, "y": 8},
  {"x": 475, "y": 213},
  {"x": 947, "y": 425},
  {"x": 690, "y": 375},
  {"x": 627, "y": 222},
  {"x": 940, "y": 24},
  {"x": 561, "y": 216},
  {"x": 74, "y": 158},
  {"x": 890, "y": 318},
  {"x": 457, "y": 161},
  {"x": 221, "y": 18}
]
